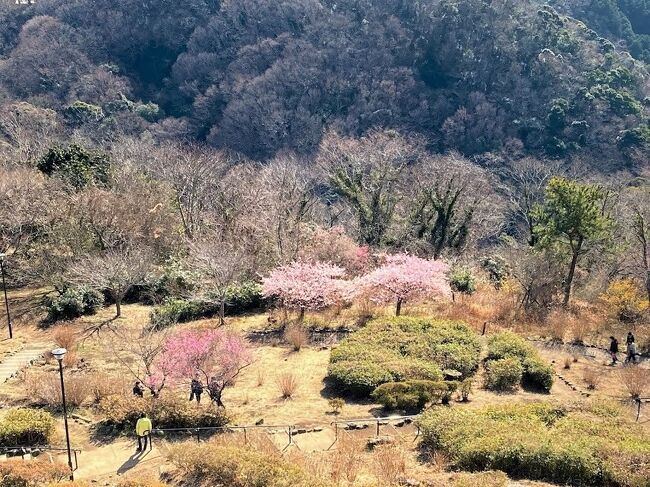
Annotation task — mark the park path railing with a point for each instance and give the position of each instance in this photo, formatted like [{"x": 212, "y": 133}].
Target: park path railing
[{"x": 15, "y": 451}]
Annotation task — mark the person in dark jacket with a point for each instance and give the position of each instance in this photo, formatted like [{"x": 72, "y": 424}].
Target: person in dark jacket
[
  {"x": 196, "y": 389},
  {"x": 630, "y": 338},
  {"x": 613, "y": 349},
  {"x": 138, "y": 389}
]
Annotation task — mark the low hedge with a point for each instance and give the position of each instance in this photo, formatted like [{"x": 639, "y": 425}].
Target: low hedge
[
  {"x": 399, "y": 349},
  {"x": 542, "y": 442},
  {"x": 240, "y": 299},
  {"x": 533, "y": 371},
  {"x": 168, "y": 411},
  {"x": 233, "y": 466},
  {"x": 412, "y": 394},
  {"x": 25, "y": 427}
]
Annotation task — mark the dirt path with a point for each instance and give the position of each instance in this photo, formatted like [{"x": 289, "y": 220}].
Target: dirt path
[{"x": 116, "y": 459}]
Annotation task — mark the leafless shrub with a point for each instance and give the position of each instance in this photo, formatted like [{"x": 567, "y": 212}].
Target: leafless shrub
[
  {"x": 103, "y": 385},
  {"x": 592, "y": 378},
  {"x": 288, "y": 384},
  {"x": 347, "y": 460},
  {"x": 636, "y": 380},
  {"x": 65, "y": 337},
  {"x": 45, "y": 388},
  {"x": 296, "y": 336},
  {"x": 261, "y": 377},
  {"x": 567, "y": 362},
  {"x": 390, "y": 464}
]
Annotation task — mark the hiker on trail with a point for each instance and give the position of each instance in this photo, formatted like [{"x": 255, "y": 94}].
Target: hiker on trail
[
  {"x": 613, "y": 349},
  {"x": 631, "y": 352},
  {"x": 143, "y": 429},
  {"x": 196, "y": 389},
  {"x": 138, "y": 389},
  {"x": 629, "y": 339}
]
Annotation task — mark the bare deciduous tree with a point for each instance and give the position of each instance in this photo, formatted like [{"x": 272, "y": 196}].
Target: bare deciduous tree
[{"x": 115, "y": 271}]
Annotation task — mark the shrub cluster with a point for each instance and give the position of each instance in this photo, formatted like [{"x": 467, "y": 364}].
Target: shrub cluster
[
  {"x": 168, "y": 411},
  {"x": 239, "y": 299},
  {"x": 512, "y": 360},
  {"x": 398, "y": 349},
  {"x": 413, "y": 394},
  {"x": 25, "y": 427},
  {"x": 237, "y": 467},
  {"x": 18, "y": 473},
  {"x": 72, "y": 303},
  {"x": 542, "y": 442}
]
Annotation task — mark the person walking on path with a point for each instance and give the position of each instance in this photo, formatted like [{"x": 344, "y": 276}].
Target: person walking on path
[
  {"x": 630, "y": 338},
  {"x": 196, "y": 389},
  {"x": 143, "y": 429},
  {"x": 631, "y": 353},
  {"x": 613, "y": 349}
]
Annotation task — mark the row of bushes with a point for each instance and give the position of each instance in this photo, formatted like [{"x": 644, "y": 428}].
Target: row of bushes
[
  {"x": 168, "y": 411},
  {"x": 512, "y": 361},
  {"x": 399, "y": 349},
  {"x": 413, "y": 395},
  {"x": 25, "y": 427},
  {"x": 237, "y": 467},
  {"x": 542, "y": 442},
  {"x": 239, "y": 299}
]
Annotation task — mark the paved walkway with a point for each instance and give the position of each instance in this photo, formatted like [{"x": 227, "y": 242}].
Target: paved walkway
[{"x": 12, "y": 363}]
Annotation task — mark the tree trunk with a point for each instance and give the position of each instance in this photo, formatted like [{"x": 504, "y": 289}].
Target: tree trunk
[
  {"x": 118, "y": 307},
  {"x": 572, "y": 270},
  {"x": 222, "y": 313},
  {"x": 301, "y": 316},
  {"x": 398, "y": 307}
]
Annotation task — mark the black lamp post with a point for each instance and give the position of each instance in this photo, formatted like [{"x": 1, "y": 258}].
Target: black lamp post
[
  {"x": 4, "y": 287},
  {"x": 59, "y": 353}
]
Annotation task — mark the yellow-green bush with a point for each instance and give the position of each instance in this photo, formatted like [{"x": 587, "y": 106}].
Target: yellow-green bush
[
  {"x": 533, "y": 371},
  {"x": 168, "y": 411},
  {"x": 542, "y": 442},
  {"x": 503, "y": 374},
  {"x": 25, "y": 427},
  {"x": 213, "y": 464},
  {"x": 411, "y": 394},
  {"x": 398, "y": 349}
]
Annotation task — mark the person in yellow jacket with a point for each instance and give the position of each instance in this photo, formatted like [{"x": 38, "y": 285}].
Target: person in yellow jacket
[{"x": 143, "y": 429}]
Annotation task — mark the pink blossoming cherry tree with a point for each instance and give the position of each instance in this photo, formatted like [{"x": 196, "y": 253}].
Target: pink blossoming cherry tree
[
  {"x": 306, "y": 286},
  {"x": 214, "y": 357},
  {"x": 402, "y": 278}
]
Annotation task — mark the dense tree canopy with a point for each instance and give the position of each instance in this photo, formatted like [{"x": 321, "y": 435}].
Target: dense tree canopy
[{"x": 259, "y": 77}]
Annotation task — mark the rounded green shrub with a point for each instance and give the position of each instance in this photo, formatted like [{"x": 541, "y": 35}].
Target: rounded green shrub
[
  {"x": 541, "y": 442},
  {"x": 462, "y": 281},
  {"x": 503, "y": 374},
  {"x": 508, "y": 344},
  {"x": 537, "y": 374},
  {"x": 73, "y": 303},
  {"x": 410, "y": 395},
  {"x": 25, "y": 427},
  {"x": 400, "y": 349}
]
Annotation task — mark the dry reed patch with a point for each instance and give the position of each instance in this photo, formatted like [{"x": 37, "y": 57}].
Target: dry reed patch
[
  {"x": 296, "y": 336},
  {"x": 636, "y": 380},
  {"x": 288, "y": 385},
  {"x": 592, "y": 377}
]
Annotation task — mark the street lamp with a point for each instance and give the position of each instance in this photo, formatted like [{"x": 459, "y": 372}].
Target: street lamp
[
  {"x": 59, "y": 353},
  {"x": 4, "y": 287}
]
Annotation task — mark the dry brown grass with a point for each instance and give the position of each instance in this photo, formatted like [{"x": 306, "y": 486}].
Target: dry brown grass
[
  {"x": 592, "y": 377},
  {"x": 296, "y": 336},
  {"x": 45, "y": 388},
  {"x": 261, "y": 377},
  {"x": 389, "y": 464},
  {"x": 636, "y": 380},
  {"x": 347, "y": 460},
  {"x": 567, "y": 362},
  {"x": 288, "y": 384},
  {"x": 103, "y": 385},
  {"x": 65, "y": 337}
]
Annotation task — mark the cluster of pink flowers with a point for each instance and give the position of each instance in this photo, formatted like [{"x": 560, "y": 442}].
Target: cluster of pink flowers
[
  {"x": 204, "y": 354},
  {"x": 314, "y": 286}
]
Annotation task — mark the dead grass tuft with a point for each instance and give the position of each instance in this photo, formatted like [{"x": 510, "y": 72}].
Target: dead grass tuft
[
  {"x": 288, "y": 384},
  {"x": 636, "y": 380}
]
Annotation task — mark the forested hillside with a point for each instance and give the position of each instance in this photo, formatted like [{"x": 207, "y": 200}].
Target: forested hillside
[{"x": 506, "y": 77}]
